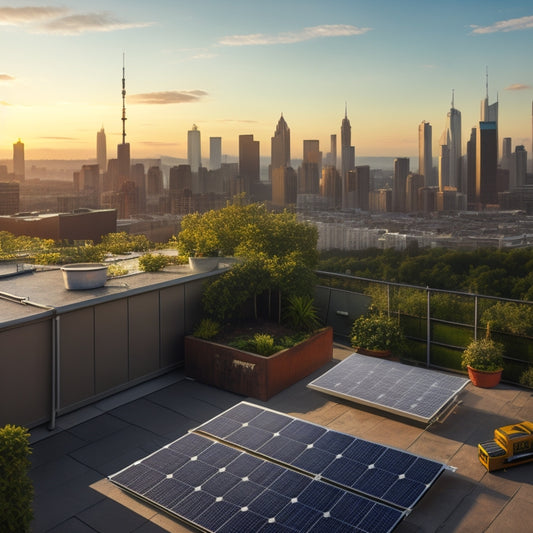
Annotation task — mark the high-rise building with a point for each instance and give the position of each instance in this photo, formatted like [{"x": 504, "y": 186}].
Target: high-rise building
[
  {"x": 486, "y": 164},
  {"x": 215, "y": 152},
  {"x": 154, "y": 181},
  {"x": 90, "y": 186},
  {"x": 249, "y": 168},
  {"x": 347, "y": 153},
  {"x": 489, "y": 112},
  {"x": 506, "y": 153},
  {"x": 311, "y": 169},
  {"x": 284, "y": 186},
  {"x": 425, "y": 153},
  {"x": 101, "y": 149},
  {"x": 281, "y": 145},
  {"x": 194, "y": 153},
  {"x": 451, "y": 138},
  {"x": 359, "y": 187},
  {"x": 413, "y": 184},
  {"x": 471, "y": 164},
  {"x": 518, "y": 167},
  {"x": 19, "y": 167},
  {"x": 180, "y": 178},
  {"x": 9, "y": 198},
  {"x": 399, "y": 182}
]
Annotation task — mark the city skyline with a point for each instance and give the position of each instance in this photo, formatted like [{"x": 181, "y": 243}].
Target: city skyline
[{"x": 232, "y": 68}]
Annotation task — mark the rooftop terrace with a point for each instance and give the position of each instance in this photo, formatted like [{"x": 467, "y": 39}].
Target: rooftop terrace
[{"x": 71, "y": 464}]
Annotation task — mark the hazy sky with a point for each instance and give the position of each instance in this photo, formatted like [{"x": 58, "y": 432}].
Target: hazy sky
[{"x": 232, "y": 67}]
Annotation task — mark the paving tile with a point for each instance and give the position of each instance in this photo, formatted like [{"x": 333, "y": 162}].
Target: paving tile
[
  {"x": 108, "y": 516},
  {"x": 55, "y": 473},
  {"x": 73, "y": 525},
  {"x": 53, "y": 447},
  {"x": 98, "y": 427}
]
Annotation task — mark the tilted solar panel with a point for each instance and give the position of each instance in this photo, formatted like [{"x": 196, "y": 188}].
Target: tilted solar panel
[{"x": 413, "y": 392}]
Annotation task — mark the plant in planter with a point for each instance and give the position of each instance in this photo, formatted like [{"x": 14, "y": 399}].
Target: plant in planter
[
  {"x": 526, "y": 378},
  {"x": 483, "y": 359},
  {"x": 377, "y": 334}
]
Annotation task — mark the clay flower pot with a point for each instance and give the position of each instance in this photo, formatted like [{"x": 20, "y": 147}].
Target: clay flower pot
[{"x": 483, "y": 378}]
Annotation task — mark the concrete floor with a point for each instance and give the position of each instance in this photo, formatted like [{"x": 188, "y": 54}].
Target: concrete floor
[{"x": 71, "y": 463}]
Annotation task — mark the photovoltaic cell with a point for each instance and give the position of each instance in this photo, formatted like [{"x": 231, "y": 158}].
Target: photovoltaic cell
[{"x": 416, "y": 393}]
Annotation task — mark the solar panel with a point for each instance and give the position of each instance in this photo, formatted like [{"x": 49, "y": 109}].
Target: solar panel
[
  {"x": 219, "y": 488},
  {"x": 390, "y": 475},
  {"x": 416, "y": 393}
]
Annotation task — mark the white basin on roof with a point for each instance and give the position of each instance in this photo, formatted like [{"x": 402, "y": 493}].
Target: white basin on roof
[{"x": 81, "y": 276}]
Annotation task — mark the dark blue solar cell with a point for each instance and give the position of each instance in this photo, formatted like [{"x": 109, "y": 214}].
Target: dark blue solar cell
[
  {"x": 344, "y": 471},
  {"x": 275, "y": 527},
  {"x": 313, "y": 460},
  {"x": 127, "y": 476},
  {"x": 194, "y": 473},
  {"x": 332, "y": 525},
  {"x": 298, "y": 516},
  {"x": 190, "y": 445},
  {"x": 271, "y": 421},
  {"x": 405, "y": 492},
  {"x": 168, "y": 493},
  {"x": 303, "y": 431},
  {"x": 139, "y": 478},
  {"x": 249, "y": 437},
  {"x": 395, "y": 461},
  {"x": 243, "y": 465},
  {"x": 269, "y": 503},
  {"x": 334, "y": 442},
  {"x": 218, "y": 455},
  {"x": 424, "y": 470},
  {"x": 193, "y": 505},
  {"x": 320, "y": 496},
  {"x": 243, "y": 521},
  {"x": 165, "y": 461},
  {"x": 217, "y": 514},
  {"x": 221, "y": 426},
  {"x": 381, "y": 519},
  {"x": 266, "y": 473},
  {"x": 351, "y": 508},
  {"x": 375, "y": 482},
  {"x": 243, "y": 412},
  {"x": 244, "y": 493},
  {"x": 290, "y": 484},
  {"x": 283, "y": 449},
  {"x": 364, "y": 451},
  {"x": 220, "y": 483}
]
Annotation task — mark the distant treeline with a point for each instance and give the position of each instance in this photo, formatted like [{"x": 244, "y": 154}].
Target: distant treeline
[{"x": 493, "y": 272}]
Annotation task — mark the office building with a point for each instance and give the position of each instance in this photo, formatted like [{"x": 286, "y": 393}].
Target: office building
[
  {"x": 486, "y": 164},
  {"x": 215, "y": 152},
  {"x": 399, "y": 182},
  {"x": 284, "y": 187},
  {"x": 180, "y": 178},
  {"x": 19, "y": 168},
  {"x": 9, "y": 198},
  {"x": 450, "y": 170},
  {"x": 347, "y": 153},
  {"x": 194, "y": 152},
  {"x": 311, "y": 169},
  {"x": 249, "y": 170},
  {"x": 505, "y": 161},
  {"x": 359, "y": 187},
  {"x": 425, "y": 153},
  {"x": 101, "y": 150},
  {"x": 471, "y": 169},
  {"x": 518, "y": 171},
  {"x": 281, "y": 145}
]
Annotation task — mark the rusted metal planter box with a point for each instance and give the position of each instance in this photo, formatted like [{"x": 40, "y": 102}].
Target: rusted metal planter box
[{"x": 254, "y": 375}]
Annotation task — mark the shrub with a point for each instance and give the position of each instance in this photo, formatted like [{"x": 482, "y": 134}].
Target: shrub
[
  {"x": 526, "y": 378},
  {"x": 152, "y": 262},
  {"x": 16, "y": 490},
  {"x": 301, "y": 314},
  {"x": 206, "y": 329},
  {"x": 483, "y": 354},
  {"x": 377, "y": 331},
  {"x": 116, "y": 270},
  {"x": 264, "y": 344}
]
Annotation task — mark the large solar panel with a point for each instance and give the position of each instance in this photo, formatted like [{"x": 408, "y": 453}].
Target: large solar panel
[
  {"x": 218, "y": 488},
  {"x": 416, "y": 393},
  {"x": 389, "y": 475}
]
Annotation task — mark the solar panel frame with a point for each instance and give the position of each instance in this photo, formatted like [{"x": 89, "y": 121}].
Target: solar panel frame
[{"x": 408, "y": 391}]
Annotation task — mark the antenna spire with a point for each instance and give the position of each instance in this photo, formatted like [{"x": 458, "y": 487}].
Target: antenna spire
[
  {"x": 487, "y": 81},
  {"x": 345, "y": 109},
  {"x": 453, "y": 98},
  {"x": 123, "y": 98}
]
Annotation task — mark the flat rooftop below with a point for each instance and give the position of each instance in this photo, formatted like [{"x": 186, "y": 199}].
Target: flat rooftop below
[{"x": 71, "y": 463}]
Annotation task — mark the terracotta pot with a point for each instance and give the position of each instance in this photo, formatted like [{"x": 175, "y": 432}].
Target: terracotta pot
[
  {"x": 383, "y": 354},
  {"x": 483, "y": 379}
]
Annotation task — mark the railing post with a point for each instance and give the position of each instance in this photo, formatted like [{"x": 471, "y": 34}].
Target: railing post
[
  {"x": 428, "y": 327},
  {"x": 475, "y": 316}
]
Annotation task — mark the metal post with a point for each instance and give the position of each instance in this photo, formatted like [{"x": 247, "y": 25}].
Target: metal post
[
  {"x": 428, "y": 328},
  {"x": 475, "y": 316},
  {"x": 55, "y": 372}
]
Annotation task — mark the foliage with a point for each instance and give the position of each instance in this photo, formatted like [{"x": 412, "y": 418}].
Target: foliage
[
  {"x": 509, "y": 317},
  {"x": 206, "y": 329},
  {"x": 123, "y": 243},
  {"x": 377, "y": 331},
  {"x": 16, "y": 490},
  {"x": 526, "y": 378},
  {"x": 13, "y": 247},
  {"x": 301, "y": 314},
  {"x": 483, "y": 354},
  {"x": 114, "y": 270},
  {"x": 266, "y": 344},
  {"x": 152, "y": 262}
]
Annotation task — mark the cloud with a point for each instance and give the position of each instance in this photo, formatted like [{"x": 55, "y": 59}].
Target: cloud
[
  {"x": 4, "y": 103},
  {"x": 167, "y": 97},
  {"x": 307, "y": 34},
  {"x": 523, "y": 23},
  {"x": 63, "y": 21},
  {"x": 6, "y": 77},
  {"x": 23, "y": 15},
  {"x": 518, "y": 87}
]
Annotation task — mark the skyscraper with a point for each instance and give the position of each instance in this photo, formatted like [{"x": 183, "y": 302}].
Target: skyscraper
[
  {"x": 194, "y": 153},
  {"x": 399, "y": 183},
  {"x": 486, "y": 164},
  {"x": 101, "y": 149},
  {"x": 249, "y": 169},
  {"x": 215, "y": 153},
  {"x": 347, "y": 153},
  {"x": 425, "y": 153},
  {"x": 451, "y": 137},
  {"x": 519, "y": 167},
  {"x": 311, "y": 169},
  {"x": 281, "y": 145},
  {"x": 19, "y": 168}
]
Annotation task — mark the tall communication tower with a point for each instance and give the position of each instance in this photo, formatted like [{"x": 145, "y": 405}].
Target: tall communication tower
[{"x": 123, "y": 99}]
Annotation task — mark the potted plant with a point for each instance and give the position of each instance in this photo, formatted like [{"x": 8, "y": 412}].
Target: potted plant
[
  {"x": 378, "y": 335},
  {"x": 483, "y": 359}
]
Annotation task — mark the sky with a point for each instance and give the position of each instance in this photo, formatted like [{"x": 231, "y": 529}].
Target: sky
[{"x": 233, "y": 67}]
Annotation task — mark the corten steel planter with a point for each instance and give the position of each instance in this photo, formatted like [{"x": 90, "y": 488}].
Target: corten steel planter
[
  {"x": 383, "y": 354},
  {"x": 484, "y": 379},
  {"x": 255, "y": 375}
]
